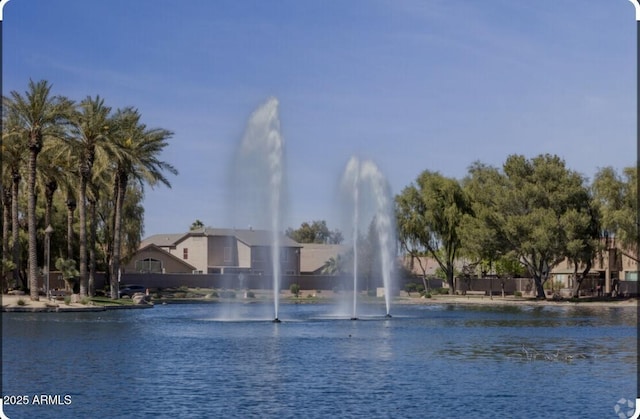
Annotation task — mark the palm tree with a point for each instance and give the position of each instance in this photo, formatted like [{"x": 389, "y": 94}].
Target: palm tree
[
  {"x": 13, "y": 157},
  {"x": 333, "y": 266},
  {"x": 90, "y": 135},
  {"x": 137, "y": 158},
  {"x": 40, "y": 115}
]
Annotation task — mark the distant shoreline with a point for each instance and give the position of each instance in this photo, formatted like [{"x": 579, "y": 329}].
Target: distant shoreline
[{"x": 10, "y": 303}]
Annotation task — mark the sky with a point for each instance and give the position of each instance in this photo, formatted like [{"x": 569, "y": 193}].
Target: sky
[{"x": 410, "y": 85}]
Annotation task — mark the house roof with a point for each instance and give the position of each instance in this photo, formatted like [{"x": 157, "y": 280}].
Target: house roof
[
  {"x": 160, "y": 251},
  {"x": 250, "y": 237},
  {"x": 161, "y": 240},
  {"x": 313, "y": 255}
]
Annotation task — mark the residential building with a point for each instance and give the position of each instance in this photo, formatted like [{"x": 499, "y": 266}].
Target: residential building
[{"x": 215, "y": 250}]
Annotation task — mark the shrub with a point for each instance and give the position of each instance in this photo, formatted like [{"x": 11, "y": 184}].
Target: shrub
[
  {"x": 227, "y": 294},
  {"x": 517, "y": 294},
  {"x": 180, "y": 295},
  {"x": 21, "y": 302},
  {"x": 67, "y": 299},
  {"x": 410, "y": 287},
  {"x": 250, "y": 294},
  {"x": 295, "y": 289}
]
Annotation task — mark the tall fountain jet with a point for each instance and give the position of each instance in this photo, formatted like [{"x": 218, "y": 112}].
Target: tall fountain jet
[
  {"x": 259, "y": 183},
  {"x": 362, "y": 180}
]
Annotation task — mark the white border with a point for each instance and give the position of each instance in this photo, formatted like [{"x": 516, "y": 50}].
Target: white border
[
  {"x": 3, "y": 2},
  {"x": 637, "y": 6}
]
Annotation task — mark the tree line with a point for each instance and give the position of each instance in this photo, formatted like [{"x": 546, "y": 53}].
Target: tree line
[
  {"x": 534, "y": 213},
  {"x": 59, "y": 155}
]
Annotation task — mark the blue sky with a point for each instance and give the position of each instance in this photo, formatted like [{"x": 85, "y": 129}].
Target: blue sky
[{"x": 408, "y": 84}]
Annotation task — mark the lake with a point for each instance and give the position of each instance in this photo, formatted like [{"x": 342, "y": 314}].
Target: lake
[{"x": 428, "y": 361}]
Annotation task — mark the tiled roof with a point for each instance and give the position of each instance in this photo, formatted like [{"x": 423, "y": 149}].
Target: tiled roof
[
  {"x": 250, "y": 237},
  {"x": 162, "y": 240}
]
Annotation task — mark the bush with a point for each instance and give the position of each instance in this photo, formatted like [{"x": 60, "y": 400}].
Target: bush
[
  {"x": 67, "y": 299},
  {"x": 517, "y": 294},
  {"x": 295, "y": 289},
  {"x": 410, "y": 287},
  {"x": 250, "y": 294},
  {"x": 227, "y": 294},
  {"x": 21, "y": 302}
]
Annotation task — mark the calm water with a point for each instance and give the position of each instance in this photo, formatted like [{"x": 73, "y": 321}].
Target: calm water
[{"x": 178, "y": 361}]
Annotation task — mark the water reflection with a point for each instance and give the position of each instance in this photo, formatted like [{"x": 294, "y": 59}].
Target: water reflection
[{"x": 179, "y": 361}]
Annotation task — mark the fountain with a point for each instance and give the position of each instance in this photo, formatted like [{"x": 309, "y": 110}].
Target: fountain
[
  {"x": 259, "y": 184},
  {"x": 360, "y": 177},
  {"x": 259, "y": 196}
]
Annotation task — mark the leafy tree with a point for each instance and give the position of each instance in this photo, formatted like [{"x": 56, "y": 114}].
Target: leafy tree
[
  {"x": 295, "y": 289},
  {"x": 429, "y": 216},
  {"x": 196, "y": 225},
  {"x": 315, "y": 232},
  {"x": 617, "y": 199},
  {"x": 480, "y": 241},
  {"x": 533, "y": 206}
]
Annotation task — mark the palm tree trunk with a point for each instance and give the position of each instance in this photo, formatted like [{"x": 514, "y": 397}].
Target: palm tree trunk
[
  {"x": 6, "y": 222},
  {"x": 31, "y": 222},
  {"x": 15, "y": 229},
  {"x": 92, "y": 247},
  {"x": 82, "y": 216},
  {"x": 50, "y": 189},
  {"x": 71, "y": 206},
  {"x": 117, "y": 234}
]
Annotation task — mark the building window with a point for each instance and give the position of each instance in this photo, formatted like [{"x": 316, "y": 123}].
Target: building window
[
  {"x": 149, "y": 265},
  {"x": 185, "y": 253},
  {"x": 227, "y": 254}
]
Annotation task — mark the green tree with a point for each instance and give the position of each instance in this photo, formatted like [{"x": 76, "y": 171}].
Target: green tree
[
  {"x": 617, "y": 199},
  {"x": 196, "y": 225},
  {"x": 315, "y": 232},
  {"x": 136, "y": 157},
  {"x": 429, "y": 215},
  {"x": 13, "y": 159},
  {"x": 333, "y": 266},
  {"x": 41, "y": 116},
  {"x": 533, "y": 204},
  {"x": 67, "y": 268},
  {"x": 91, "y": 140}
]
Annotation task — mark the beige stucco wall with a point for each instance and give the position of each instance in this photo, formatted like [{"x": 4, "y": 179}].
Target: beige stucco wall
[
  {"x": 244, "y": 255},
  {"x": 197, "y": 251}
]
